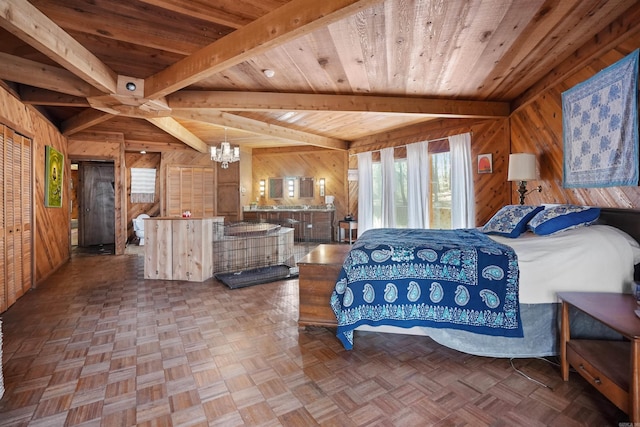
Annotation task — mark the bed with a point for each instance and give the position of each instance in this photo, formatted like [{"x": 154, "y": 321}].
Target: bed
[{"x": 493, "y": 295}]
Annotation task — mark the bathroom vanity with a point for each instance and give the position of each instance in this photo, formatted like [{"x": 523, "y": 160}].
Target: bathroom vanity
[{"x": 309, "y": 223}]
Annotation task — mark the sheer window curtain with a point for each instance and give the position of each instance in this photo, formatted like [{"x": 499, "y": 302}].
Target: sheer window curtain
[
  {"x": 365, "y": 192},
  {"x": 418, "y": 188},
  {"x": 462, "y": 194},
  {"x": 388, "y": 187}
]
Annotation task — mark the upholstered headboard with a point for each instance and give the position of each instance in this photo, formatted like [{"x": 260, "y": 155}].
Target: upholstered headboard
[{"x": 627, "y": 220}]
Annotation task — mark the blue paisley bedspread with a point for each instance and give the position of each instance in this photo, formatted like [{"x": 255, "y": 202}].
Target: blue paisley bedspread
[{"x": 458, "y": 279}]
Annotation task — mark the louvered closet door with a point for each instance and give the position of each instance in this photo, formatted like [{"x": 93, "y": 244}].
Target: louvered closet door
[
  {"x": 190, "y": 188},
  {"x": 15, "y": 215}
]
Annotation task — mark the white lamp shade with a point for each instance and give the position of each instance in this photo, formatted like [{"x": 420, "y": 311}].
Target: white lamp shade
[{"x": 522, "y": 167}]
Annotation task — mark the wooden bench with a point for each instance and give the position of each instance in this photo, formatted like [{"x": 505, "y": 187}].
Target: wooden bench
[{"x": 318, "y": 272}]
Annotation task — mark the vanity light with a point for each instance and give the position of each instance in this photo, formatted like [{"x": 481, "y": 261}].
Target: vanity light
[
  {"x": 321, "y": 187},
  {"x": 263, "y": 186},
  {"x": 291, "y": 183}
]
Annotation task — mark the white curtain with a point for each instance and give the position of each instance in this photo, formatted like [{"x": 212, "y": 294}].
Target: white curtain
[
  {"x": 365, "y": 192},
  {"x": 418, "y": 170},
  {"x": 462, "y": 194},
  {"x": 388, "y": 187}
]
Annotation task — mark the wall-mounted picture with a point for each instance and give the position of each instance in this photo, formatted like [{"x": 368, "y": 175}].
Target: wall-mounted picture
[
  {"x": 485, "y": 163},
  {"x": 54, "y": 168}
]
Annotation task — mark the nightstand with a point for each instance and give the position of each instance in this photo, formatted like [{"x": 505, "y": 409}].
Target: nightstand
[
  {"x": 612, "y": 367},
  {"x": 349, "y": 228}
]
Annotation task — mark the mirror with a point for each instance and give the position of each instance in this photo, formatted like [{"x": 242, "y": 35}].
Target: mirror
[
  {"x": 276, "y": 188},
  {"x": 306, "y": 188}
]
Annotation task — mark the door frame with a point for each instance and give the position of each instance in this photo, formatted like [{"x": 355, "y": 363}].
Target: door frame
[{"x": 106, "y": 149}]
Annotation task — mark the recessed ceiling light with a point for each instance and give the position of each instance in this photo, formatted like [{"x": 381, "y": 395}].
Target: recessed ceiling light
[
  {"x": 131, "y": 86},
  {"x": 143, "y": 152},
  {"x": 269, "y": 73}
]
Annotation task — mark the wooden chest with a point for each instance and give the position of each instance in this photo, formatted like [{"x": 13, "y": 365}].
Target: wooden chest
[{"x": 319, "y": 271}]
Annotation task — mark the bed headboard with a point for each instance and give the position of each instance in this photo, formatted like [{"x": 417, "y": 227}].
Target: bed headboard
[{"x": 627, "y": 220}]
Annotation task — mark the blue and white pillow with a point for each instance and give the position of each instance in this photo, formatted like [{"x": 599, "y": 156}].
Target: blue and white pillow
[
  {"x": 511, "y": 220},
  {"x": 562, "y": 217}
]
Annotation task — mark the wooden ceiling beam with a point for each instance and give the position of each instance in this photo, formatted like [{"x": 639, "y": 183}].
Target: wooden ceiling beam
[
  {"x": 26, "y": 22},
  {"x": 272, "y": 101},
  {"x": 25, "y": 71},
  {"x": 203, "y": 9},
  {"x": 36, "y": 96},
  {"x": 83, "y": 121},
  {"x": 280, "y": 26},
  {"x": 175, "y": 129},
  {"x": 245, "y": 124}
]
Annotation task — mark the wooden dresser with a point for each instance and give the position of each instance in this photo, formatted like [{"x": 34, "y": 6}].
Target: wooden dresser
[
  {"x": 612, "y": 367},
  {"x": 319, "y": 271}
]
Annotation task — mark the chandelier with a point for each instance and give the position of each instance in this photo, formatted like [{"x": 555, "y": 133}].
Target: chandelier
[{"x": 225, "y": 154}]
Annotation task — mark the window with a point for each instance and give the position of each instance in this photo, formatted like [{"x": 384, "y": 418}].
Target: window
[{"x": 440, "y": 209}]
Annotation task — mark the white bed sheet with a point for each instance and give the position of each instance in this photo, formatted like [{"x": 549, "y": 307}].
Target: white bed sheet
[{"x": 597, "y": 258}]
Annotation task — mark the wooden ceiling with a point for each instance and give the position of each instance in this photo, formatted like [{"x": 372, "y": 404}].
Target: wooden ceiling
[{"x": 343, "y": 69}]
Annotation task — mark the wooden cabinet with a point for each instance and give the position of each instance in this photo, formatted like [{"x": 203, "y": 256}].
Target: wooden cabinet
[
  {"x": 612, "y": 367},
  {"x": 15, "y": 216},
  {"x": 180, "y": 248},
  {"x": 318, "y": 273}
]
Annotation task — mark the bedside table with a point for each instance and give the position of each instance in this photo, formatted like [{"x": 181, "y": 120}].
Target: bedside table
[
  {"x": 612, "y": 367},
  {"x": 349, "y": 228}
]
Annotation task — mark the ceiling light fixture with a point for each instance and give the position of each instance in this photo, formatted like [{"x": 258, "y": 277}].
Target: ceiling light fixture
[
  {"x": 131, "y": 86},
  {"x": 269, "y": 73},
  {"x": 225, "y": 154}
]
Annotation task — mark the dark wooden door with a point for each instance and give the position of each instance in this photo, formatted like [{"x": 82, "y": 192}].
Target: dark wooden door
[
  {"x": 96, "y": 220},
  {"x": 228, "y": 192}
]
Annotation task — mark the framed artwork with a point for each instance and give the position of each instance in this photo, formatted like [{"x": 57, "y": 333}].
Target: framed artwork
[
  {"x": 53, "y": 177},
  {"x": 485, "y": 163}
]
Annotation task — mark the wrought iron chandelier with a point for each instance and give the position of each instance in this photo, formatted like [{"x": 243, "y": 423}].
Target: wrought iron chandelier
[{"x": 225, "y": 154}]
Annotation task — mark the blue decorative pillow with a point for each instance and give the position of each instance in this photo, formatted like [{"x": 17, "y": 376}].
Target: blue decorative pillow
[
  {"x": 562, "y": 217},
  {"x": 511, "y": 220}
]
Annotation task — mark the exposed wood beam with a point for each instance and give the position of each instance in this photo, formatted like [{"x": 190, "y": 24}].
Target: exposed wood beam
[
  {"x": 203, "y": 9},
  {"x": 154, "y": 147},
  {"x": 26, "y": 22},
  {"x": 19, "y": 70},
  {"x": 623, "y": 28},
  {"x": 280, "y": 26},
  {"x": 254, "y": 126},
  {"x": 84, "y": 120},
  {"x": 172, "y": 127},
  {"x": 37, "y": 96},
  {"x": 434, "y": 129},
  {"x": 270, "y": 101}
]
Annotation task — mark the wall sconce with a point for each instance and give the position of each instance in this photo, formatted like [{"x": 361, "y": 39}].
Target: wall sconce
[
  {"x": 263, "y": 187},
  {"x": 321, "y": 187},
  {"x": 291, "y": 185},
  {"x": 522, "y": 168}
]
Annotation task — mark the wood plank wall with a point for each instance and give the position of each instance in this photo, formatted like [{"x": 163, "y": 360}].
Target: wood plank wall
[
  {"x": 52, "y": 228},
  {"x": 488, "y": 136},
  {"x": 537, "y": 128},
  {"x": 303, "y": 162}
]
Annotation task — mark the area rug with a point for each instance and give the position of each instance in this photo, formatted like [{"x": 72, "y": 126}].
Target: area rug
[{"x": 256, "y": 276}]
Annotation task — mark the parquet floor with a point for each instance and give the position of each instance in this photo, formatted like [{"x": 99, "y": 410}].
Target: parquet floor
[{"x": 97, "y": 345}]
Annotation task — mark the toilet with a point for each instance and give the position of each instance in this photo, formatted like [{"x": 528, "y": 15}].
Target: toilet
[{"x": 138, "y": 228}]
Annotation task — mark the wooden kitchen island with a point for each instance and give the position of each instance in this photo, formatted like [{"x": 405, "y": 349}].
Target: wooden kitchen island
[{"x": 180, "y": 248}]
